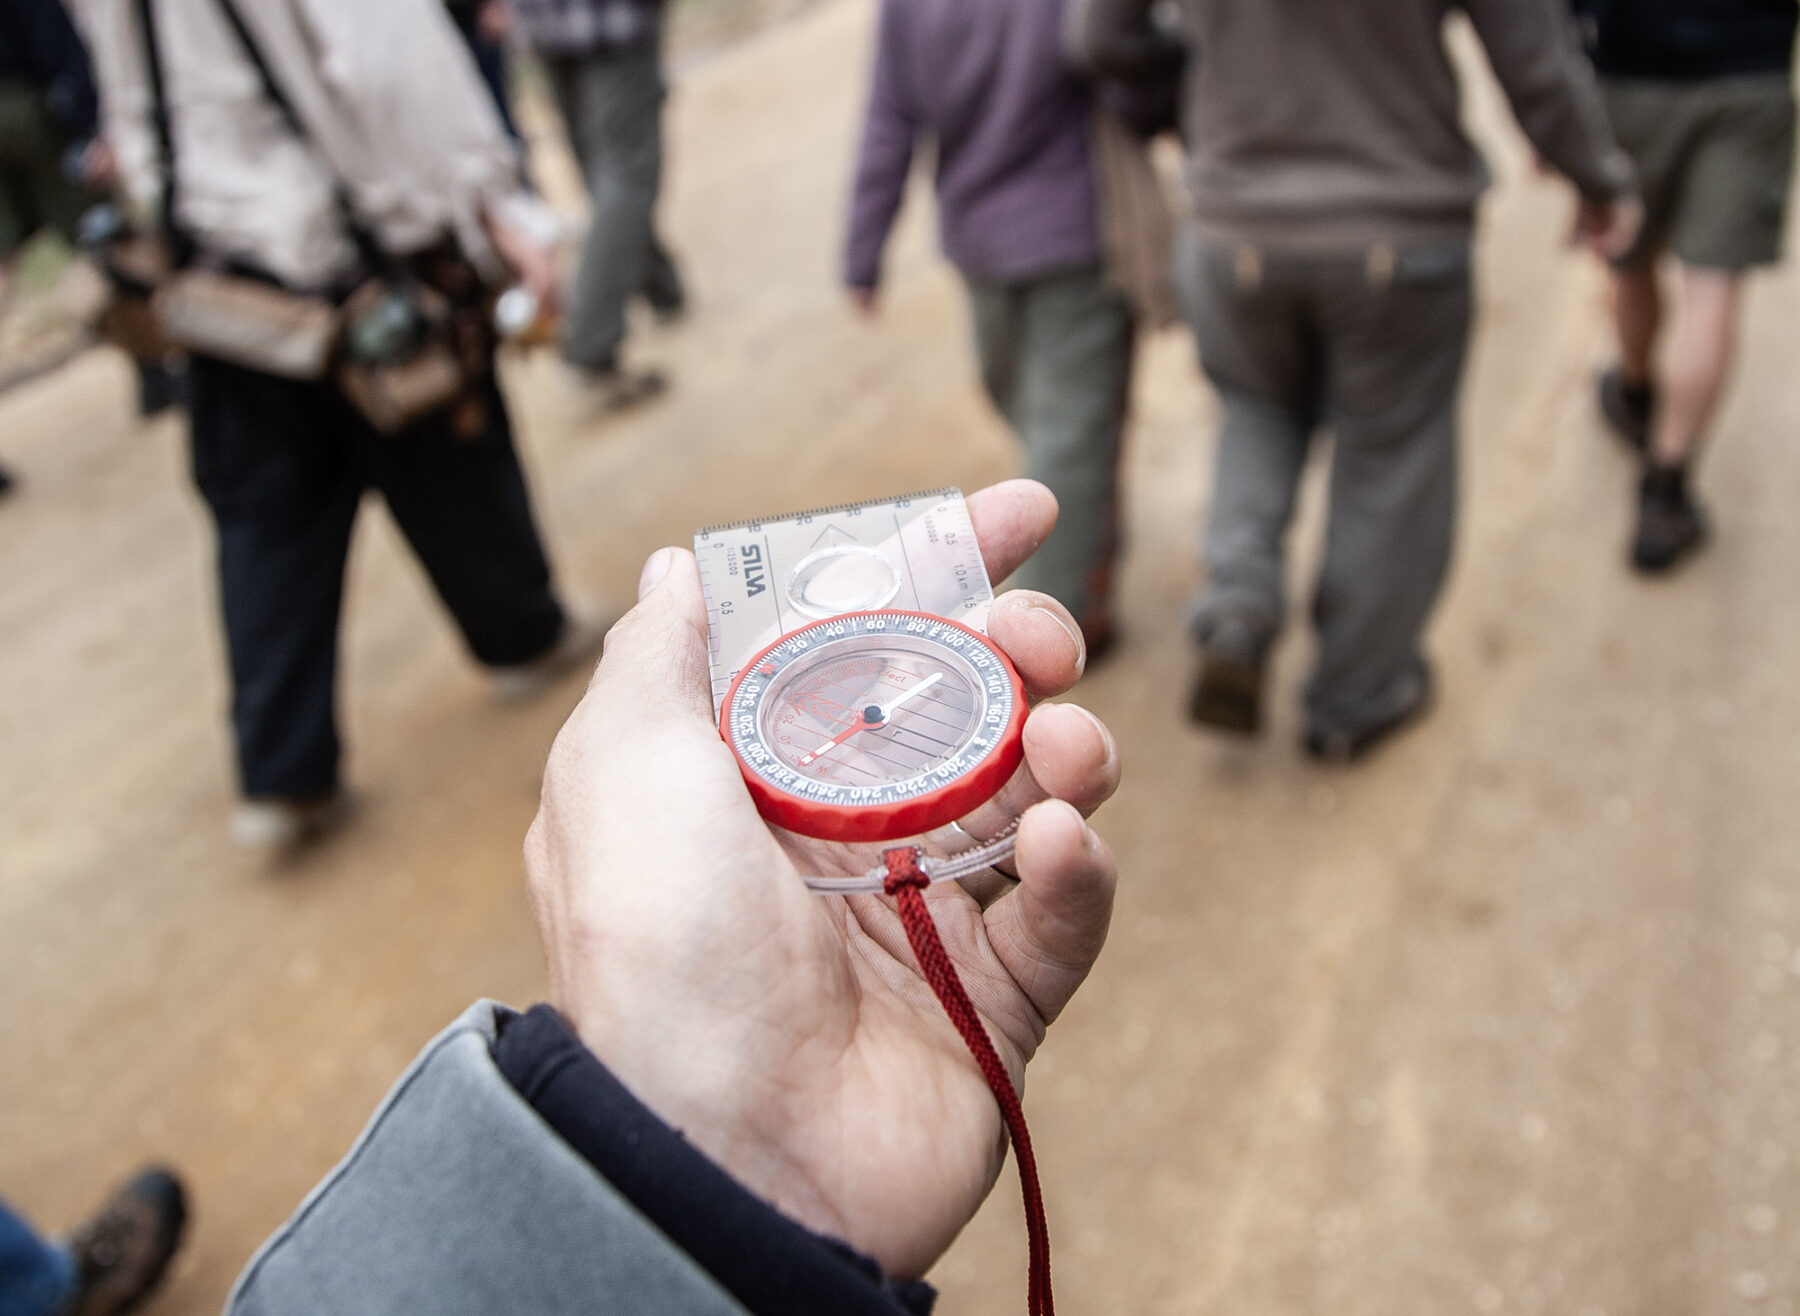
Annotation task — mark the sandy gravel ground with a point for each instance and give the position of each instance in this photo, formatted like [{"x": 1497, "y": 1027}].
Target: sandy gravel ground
[{"x": 1503, "y": 1021}]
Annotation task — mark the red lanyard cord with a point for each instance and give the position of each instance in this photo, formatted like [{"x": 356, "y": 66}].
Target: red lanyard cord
[{"x": 906, "y": 882}]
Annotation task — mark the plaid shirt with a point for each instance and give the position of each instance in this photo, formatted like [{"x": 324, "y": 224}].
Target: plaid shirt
[{"x": 576, "y": 27}]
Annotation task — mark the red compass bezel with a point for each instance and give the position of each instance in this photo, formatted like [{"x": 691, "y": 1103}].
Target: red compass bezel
[{"x": 901, "y": 818}]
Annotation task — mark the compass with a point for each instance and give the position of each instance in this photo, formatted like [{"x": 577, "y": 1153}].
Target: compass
[{"x": 868, "y": 726}]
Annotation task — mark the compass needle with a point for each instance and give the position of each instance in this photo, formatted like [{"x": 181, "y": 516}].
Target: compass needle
[
  {"x": 866, "y": 722},
  {"x": 887, "y": 709}
]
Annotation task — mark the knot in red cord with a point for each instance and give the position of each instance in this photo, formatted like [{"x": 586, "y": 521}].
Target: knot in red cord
[{"x": 903, "y": 870}]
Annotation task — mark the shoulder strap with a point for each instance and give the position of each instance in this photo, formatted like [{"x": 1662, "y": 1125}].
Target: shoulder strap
[
  {"x": 159, "y": 122},
  {"x": 366, "y": 246},
  {"x": 271, "y": 88}
]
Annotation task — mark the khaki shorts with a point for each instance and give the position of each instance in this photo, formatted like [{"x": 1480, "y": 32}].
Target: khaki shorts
[{"x": 1713, "y": 159}]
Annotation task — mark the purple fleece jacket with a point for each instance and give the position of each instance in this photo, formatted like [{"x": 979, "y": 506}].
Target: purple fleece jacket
[{"x": 987, "y": 80}]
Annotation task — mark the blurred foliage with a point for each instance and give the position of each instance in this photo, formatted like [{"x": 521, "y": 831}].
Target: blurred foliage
[{"x": 42, "y": 263}]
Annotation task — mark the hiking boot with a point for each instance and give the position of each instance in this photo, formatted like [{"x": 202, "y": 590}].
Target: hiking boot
[
  {"x": 1670, "y": 526},
  {"x": 1627, "y": 407},
  {"x": 277, "y": 822},
  {"x": 1412, "y": 700},
  {"x": 122, "y": 1251},
  {"x": 576, "y": 646},
  {"x": 1227, "y": 692}
]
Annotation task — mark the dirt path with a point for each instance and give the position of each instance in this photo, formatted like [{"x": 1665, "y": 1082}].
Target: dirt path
[{"x": 1504, "y": 1021}]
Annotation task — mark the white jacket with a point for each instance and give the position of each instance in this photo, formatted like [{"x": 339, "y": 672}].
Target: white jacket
[{"x": 390, "y": 100}]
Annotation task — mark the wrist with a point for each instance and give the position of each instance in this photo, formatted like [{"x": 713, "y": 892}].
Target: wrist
[
  {"x": 768, "y": 1260},
  {"x": 716, "y": 1095}
]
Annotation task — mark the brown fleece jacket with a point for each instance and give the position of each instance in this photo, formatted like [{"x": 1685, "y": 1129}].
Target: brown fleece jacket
[{"x": 1326, "y": 124}]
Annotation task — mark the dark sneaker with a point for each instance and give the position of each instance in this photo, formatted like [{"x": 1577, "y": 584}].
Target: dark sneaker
[
  {"x": 1227, "y": 691},
  {"x": 122, "y": 1252},
  {"x": 1670, "y": 526},
  {"x": 1347, "y": 744},
  {"x": 1627, "y": 407}
]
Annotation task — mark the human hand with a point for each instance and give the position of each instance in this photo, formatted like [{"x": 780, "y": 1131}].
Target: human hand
[
  {"x": 99, "y": 166},
  {"x": 493, "y": 20},
  {"x": 1609, "y": 228},
  {"x": 790, "y": 1035},
  {"x": 528, "y": 256}
]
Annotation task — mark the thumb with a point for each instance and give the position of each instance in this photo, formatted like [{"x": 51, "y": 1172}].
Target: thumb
[{"x": 656, "y": 654}]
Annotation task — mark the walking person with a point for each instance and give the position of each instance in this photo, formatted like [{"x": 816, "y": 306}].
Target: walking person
[
  {"x": 52, "y": 156},
  {"x": 1700, "y": 93},
  {"x": 294, "y": 143},
  {"x": 55, "y": 164},
  {"x": 1019, "y": 217},
  {"x": 604, "y": 61},
  {"x": 1326, "y": 274}
]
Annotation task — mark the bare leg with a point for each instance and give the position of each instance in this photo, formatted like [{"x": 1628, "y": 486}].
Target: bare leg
[
  {"x": 1701, "y": 343},
  {"x": 1637, "y": 314}
]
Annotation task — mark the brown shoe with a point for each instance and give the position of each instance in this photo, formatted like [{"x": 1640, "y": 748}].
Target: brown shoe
[
  {"x": 121, "y": 1253},
  {"x": 1227, "y": 690}
]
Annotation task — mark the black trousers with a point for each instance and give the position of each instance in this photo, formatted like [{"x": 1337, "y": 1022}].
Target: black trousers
[{"x": 283, "y": 465}]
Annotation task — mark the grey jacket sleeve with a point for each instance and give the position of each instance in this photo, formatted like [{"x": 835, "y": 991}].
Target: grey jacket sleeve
[
  {"x": 1537, "y": 57},
  {"x": 459, "y": 1200}
]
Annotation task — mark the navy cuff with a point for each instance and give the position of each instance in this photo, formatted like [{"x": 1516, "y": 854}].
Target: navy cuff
[{"x": 768, "y": 1262}]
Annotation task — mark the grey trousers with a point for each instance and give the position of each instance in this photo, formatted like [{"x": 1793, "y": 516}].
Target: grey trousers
[
  {"x": 611, "y": 106},
  {"x": 1370, "y": 344},
  {"x": 1055, "y": 356}
]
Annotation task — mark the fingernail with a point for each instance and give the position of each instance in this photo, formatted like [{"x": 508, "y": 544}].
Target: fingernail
[
  {"x": 654, "y": 570},
  {"x": 1051, "y": 609},
  {"x": 1106, "y": 736}
]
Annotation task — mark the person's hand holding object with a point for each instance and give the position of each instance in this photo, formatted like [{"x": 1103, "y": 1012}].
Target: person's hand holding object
[
  {"x": 1608, "y": 229},
  {"x": 789, "y": 1035}
]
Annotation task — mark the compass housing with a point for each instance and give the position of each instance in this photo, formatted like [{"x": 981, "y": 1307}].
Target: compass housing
[{"x": 871, "y": 726}]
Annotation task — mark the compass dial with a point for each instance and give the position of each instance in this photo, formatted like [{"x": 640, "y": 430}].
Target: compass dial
[{"x": 875, "y": 725}]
